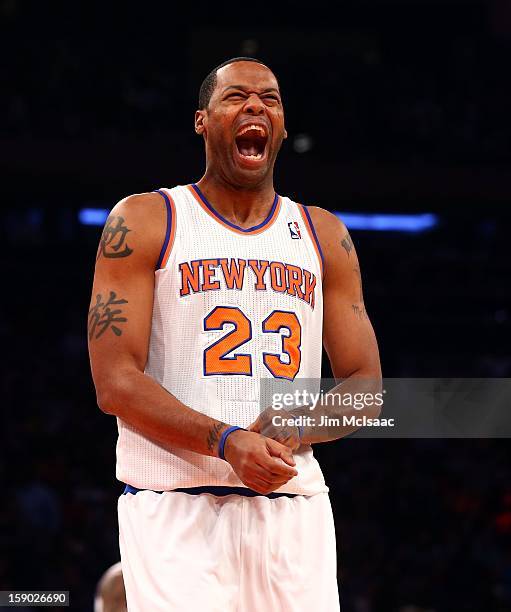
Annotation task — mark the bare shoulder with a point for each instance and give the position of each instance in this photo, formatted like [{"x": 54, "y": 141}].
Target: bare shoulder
[
  {"x": 324, "y": 219},
  {"x": 143, "y": 208},
  {"x": 336, "y": 244},
  {"x": 136, "y": 224},
  {"x": 329, "y": 227}
]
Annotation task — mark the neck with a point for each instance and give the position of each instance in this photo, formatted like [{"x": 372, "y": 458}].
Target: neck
[{"x": 243, "y": 206}]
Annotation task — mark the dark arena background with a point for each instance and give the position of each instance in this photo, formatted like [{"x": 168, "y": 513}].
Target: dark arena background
[{"x": 399, "y": 119}]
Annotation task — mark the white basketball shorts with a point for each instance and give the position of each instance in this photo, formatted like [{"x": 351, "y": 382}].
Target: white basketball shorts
[{"x": 205, "y": 553}]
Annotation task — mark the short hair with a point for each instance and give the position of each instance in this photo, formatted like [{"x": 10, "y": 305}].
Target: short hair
[{"x": 209, "y": 83}]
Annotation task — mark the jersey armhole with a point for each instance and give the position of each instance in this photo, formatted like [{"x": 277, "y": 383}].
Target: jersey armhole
[
  {"x": 170, "y": 230},
  {"x": 313, "y": 236}
]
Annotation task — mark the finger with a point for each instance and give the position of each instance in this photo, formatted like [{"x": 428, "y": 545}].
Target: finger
[
  {"x": 262, "y": 487},
  {"x": 262, "y": 475},
  {"x": 262, "y": 480},
  {"x": 269, "y": 475},
  {"x": 276, "y": 449},
  {"x": 288, "y": 440},
  {"x": 287, "y": 456},
  {"x": 275, "y": 479},
  {"x": 275, "y": 467},
  {"x": 259, "y": 486},
  {"x": 284, "y": 467}
]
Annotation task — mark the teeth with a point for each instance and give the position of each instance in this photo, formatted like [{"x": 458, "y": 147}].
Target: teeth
[
  {"x": 252, "y": 127},
  {"x": 257, "y": 156}
]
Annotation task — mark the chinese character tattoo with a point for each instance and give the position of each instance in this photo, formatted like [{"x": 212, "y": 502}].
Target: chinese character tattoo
[
  {"x": 102, "y": 316},
  {"x": 113, "y": 239}
]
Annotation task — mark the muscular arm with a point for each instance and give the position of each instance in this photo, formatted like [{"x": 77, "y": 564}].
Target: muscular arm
[
  {"x": 348, "y": 337},
  {"x": 119, "y": 324},
  {"x": 119, "y": 328}
]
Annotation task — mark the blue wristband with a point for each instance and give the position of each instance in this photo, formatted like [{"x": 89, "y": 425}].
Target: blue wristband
[{"x": 223, "y": 438}]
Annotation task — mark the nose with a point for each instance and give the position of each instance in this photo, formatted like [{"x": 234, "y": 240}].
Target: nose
[{"x": 254, "y": 105}]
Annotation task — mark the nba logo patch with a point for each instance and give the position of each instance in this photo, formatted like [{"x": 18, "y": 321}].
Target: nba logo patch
[{"x": 294, "y": 230}]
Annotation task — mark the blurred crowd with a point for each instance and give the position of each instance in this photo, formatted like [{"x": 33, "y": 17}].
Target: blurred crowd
[{"x": 418, "y": 82}]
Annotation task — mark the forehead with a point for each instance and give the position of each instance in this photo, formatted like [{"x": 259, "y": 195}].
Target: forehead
[{"x": 248, "y": 75}]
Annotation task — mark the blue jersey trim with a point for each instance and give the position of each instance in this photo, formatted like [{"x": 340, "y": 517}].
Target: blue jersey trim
[
  {"x": 224, "y": 220},
  {"x": 315, "y": 236},
  {"x": 169, "y": 227}
]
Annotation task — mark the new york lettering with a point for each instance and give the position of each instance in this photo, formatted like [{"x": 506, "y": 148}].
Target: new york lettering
[{"x": 212, "y": 274}]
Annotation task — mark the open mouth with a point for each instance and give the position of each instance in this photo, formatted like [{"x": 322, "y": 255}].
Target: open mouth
[{"x": 251, "y": 142}]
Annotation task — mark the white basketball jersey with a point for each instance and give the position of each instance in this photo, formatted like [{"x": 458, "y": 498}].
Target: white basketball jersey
[{"x": 231, "y": 306}]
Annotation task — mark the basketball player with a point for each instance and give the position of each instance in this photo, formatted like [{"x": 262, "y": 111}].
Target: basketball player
[{"x": 201, "y": 291}]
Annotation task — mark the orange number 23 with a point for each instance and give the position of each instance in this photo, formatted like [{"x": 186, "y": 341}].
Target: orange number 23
[{"x": 216, "y": 362}]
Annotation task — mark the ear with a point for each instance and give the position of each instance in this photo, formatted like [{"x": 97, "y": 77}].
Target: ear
[
  {"x": 200, "y": 117},
  {"x": 285, "y": 133}
]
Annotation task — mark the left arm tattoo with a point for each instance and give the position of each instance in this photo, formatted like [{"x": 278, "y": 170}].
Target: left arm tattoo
[
  {"x": 213, "y": 435},
  {"x": 347, "y": 244},
  {"x": 359, "y": 311}
]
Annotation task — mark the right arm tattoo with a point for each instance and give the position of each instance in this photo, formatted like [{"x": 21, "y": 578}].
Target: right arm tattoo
[
  {"x": 102, "y": 317},
  {"x": 113, "y": 239}
]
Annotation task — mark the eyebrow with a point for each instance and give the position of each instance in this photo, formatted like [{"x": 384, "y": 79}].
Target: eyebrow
[{"x": 243, "y": 88}]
